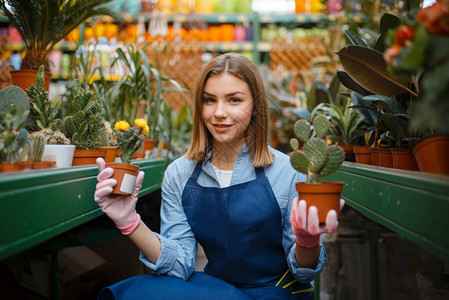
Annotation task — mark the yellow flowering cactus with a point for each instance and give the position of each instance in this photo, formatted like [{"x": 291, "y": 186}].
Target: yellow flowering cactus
[{"x": 130, "y": 138}]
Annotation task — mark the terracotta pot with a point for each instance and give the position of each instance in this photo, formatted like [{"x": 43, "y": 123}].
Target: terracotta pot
[
  {"x": 110, "y": 153},
  {"x": 431, "y": 154},
  {"x": 87, "y": 157},
  {"x": 147, "y": 149},
  {"x": 403, "y": 159},
  {"x": 375, "y": 161},
  {"x": 8, "y": 168},
  {"x": 45, "y": 164},
  {"x": 385, "y": 157},
  {"x": 25, "y": 78},
  {"x": 324, "y": 196},
  {"x": 362, "y": 155},
  {"x": 349, "y": 152},
  {"x": 126, "y": 176},
  {"x": 26, "y": 165}
]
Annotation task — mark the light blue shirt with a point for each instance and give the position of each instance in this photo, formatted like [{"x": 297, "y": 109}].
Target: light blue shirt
[{"x": 178, "y": 244}]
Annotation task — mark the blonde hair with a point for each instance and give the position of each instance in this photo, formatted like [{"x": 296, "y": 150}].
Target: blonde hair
[{"x": 257, "y": 131}]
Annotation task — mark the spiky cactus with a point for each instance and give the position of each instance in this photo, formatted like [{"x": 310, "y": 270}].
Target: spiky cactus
[
  {"x": 14, "y": 110},
  {"x": 130, "y": 138},
  {"x": 37, "y": 146},
  {"x": 317, "y": 159},
  {"x": 86, "y": 128},
  {"x": 54, "y": 137},
  {"x": 42, "y": 114}
]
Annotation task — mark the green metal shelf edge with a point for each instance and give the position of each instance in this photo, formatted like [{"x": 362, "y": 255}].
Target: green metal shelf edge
[
  {"x": 413, "y": 204},
  {"x": 36, "y": 206}
]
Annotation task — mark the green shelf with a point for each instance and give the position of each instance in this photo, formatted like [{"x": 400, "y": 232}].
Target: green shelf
[
  {"x": 413, "y": 204},
  {"x": 36, "y": 206}
]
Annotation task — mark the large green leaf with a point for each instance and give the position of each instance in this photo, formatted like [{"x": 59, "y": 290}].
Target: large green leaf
[
  {"x": 351, "y": 84},
  {"x": 369, "y": 69}
]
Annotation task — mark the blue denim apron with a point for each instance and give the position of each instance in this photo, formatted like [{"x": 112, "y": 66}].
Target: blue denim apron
[{"x": 240, "y": 230}]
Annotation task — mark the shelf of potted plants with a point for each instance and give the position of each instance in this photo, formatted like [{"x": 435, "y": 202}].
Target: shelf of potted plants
[{"x": 54, "y": 201}]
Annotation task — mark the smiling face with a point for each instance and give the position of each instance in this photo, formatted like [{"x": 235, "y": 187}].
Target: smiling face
[{"x": 227, "y": 110}]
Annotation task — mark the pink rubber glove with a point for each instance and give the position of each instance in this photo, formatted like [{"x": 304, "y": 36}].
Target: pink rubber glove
[
  {"x": 306, "y": 226},
  {"x": 120, "y": 209}
]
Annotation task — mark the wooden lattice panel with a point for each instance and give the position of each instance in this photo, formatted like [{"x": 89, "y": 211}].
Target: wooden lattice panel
[
  {"x": 5, "y": 65},
  {"x": 296, "y": 54},
  {"x": 181, "y": 61}
]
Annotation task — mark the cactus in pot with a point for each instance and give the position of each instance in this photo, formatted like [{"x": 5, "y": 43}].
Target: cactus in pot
[
  {"x": 37, "y": 146},
  {"x": 86, "y": 129},
  {"x": 316, "y": 160},
  {"x": 14, "y": 110}
]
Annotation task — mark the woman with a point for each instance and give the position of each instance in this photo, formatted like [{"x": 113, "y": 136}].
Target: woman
[{"x": 231, "y": 193}]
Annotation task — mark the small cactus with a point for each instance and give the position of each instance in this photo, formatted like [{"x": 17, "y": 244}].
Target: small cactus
[
  {"x": 86, "y": 128},
  {"x": 130, "y": 138},
  {"x": 317, "y": 159},
  {"x": 54, "y": 137},
  {"x": 42, "y": 114},
  {"x": 37, "y": 146}
]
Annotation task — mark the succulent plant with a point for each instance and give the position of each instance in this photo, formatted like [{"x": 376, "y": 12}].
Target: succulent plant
[
  {"x": 316, "y": 159},
  {"x": 37, "y": 146},
  {"x": 130, "y": 138},
  {"x": 42, "y": 114},
  {"x": 86, "y": 129},
  {"x": 14, "y": 110},
  {"x": 54, "y": 137}
]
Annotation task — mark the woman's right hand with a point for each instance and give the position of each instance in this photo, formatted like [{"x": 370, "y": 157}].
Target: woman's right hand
[{"x": 120, "y": 209}]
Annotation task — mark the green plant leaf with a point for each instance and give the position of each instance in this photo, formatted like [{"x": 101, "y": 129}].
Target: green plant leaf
[
  {"x": 369, "y": 69},
  {"x": 355, "y": 39},
  {"x": 390, "y": 105},
  {"x": 388, "y": 22},
  {"x": 351, "y": 84}
]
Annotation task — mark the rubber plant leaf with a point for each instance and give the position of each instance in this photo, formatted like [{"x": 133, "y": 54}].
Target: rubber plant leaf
[
  {"x": 355, "y": 39},
  {"x": 396, "y": 124},
  {"x": 369, "y": 69},
  {"x": 351, "y": 84},
  {"x": 366, "y": 108},
  {"x": 389, "y": 105}
]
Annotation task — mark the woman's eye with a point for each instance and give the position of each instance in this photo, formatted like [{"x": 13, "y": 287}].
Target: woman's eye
[
  {"x": 234, "y": 100},
  {"x": 209, "y": 100}
]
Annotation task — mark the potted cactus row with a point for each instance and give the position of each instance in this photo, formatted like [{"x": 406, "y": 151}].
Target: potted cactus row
[{"x": 317, "y": 159}]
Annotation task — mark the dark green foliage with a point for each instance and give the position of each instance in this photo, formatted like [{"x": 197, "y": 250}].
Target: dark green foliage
[{"x": 130, "y": 141}]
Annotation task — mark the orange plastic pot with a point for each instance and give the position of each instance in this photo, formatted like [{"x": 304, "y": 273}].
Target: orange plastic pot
[
  {"x": 403, "y": 159},
  {"x": 324, "y": 196},
  {"x": 110, "y": 153},
  {"x": 362, "y": 155},
  {"x": 25, "y": 78},
  {"x": 46, "y": 164},
  {"x": 126, "y": 176},
  {"x": 385, "y": 157},
  {"x": 375, "y": 161},
  {"x": 8, "y": 168},
  {"x": 87, "y": 157},
  {"x": 431, "y": 154}
]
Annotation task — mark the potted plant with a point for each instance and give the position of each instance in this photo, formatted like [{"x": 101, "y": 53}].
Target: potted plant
[
  {"x": 86, "y": 129},
  {"x": 37, "y": 147},
  {"x": 14, "y": 141},
  {"x": 42, "y": 24},
  {"x": 42, "y": 120},
  {"x": 418, "y": 49},
  {"x": 317, "y": 160},
  {"x": 129, "y": 140}
]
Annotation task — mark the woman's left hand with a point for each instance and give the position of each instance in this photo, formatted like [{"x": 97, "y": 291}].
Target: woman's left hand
[{"x": 306, "y": 225}]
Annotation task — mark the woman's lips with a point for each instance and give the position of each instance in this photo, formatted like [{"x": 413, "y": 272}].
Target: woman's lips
[{"x": 221, "y": 127}]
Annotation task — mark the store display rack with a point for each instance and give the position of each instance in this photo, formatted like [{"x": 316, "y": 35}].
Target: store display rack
[
  {"x": 413, "y": 204},
  {"x": 36, "y": 206}
]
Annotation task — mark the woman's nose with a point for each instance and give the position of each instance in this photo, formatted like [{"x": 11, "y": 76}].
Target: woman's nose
[{"x": 220, "y": 111}]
